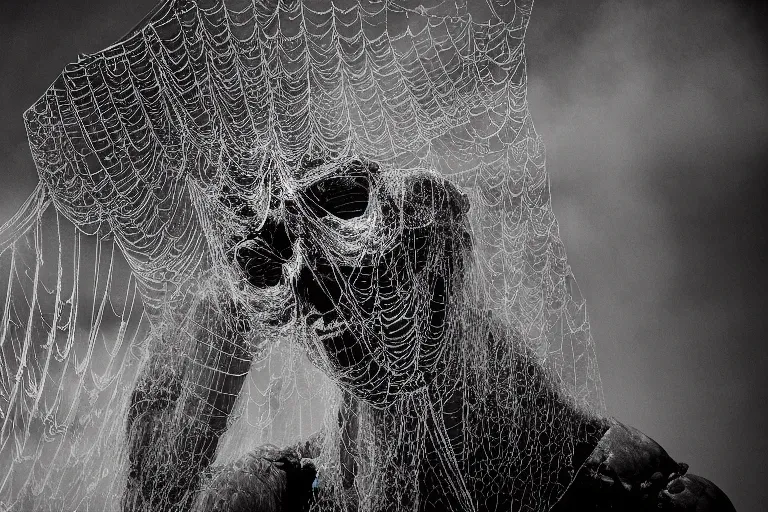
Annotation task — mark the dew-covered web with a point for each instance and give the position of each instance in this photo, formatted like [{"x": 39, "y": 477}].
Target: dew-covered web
[{"x": 340, "y": 209}]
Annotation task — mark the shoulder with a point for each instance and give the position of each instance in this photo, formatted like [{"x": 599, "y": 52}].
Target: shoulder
[{"x": 630, "y": 471}]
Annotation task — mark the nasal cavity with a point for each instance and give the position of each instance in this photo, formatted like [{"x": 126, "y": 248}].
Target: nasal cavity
[{"x": 261, "y": 255}]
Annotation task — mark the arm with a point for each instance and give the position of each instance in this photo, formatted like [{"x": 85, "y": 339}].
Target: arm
[{"x": 181, "y": 403}]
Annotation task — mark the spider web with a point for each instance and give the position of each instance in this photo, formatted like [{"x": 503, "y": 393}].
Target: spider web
[{"x": 136, "y": 146}]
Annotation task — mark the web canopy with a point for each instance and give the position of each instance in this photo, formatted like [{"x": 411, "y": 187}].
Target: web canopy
[{"x": 154, "y": 152}]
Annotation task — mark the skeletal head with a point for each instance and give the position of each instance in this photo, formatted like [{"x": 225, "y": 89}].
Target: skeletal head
[{"x": 373, "y": 256}]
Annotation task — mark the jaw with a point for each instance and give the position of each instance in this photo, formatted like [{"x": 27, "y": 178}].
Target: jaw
[
  {"x": 326, "y": 327},
  {"x": 354, "y": 358}
]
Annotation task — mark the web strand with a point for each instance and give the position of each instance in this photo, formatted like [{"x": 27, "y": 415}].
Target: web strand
[{"x": 157, "y": 152}]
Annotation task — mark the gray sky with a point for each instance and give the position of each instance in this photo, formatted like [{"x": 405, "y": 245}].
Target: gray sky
[{"x": 654, "y": 117}]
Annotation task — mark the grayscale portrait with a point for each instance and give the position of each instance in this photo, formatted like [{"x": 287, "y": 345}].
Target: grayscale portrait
[{"x": 310, "y": 255}]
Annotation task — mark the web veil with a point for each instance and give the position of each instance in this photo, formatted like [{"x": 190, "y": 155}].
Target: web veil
[{"x": 147, "y": 153}]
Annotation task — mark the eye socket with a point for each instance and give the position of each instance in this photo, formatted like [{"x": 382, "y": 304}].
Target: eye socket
[{"x": 345, "y": 197}]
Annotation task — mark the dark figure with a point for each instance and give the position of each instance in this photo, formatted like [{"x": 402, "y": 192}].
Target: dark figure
[{"x": 394, "y": 356}]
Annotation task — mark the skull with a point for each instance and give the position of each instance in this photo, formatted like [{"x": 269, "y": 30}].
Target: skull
[{"x": 374, "y": 258}]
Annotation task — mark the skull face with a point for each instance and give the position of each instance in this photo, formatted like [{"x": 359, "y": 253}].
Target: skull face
[{"x": 375, "y": 260}]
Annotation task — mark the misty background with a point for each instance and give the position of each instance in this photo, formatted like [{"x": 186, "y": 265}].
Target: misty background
[{"x": 655, "y": 118}]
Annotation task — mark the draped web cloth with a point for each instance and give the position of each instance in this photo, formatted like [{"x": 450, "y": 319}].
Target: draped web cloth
[{"x": 135, "y": 147}]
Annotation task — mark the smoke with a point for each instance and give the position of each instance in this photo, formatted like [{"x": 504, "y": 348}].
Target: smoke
[{"x": 654, "y": 117}]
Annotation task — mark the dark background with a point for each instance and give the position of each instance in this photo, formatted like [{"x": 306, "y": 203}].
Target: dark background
[{"x": 655, "y": 117}]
